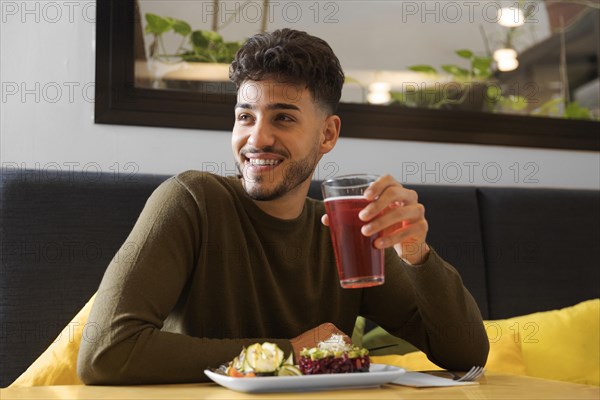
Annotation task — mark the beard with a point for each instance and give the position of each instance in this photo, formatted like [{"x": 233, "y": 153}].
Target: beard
[{"x": 295, "y": 173}]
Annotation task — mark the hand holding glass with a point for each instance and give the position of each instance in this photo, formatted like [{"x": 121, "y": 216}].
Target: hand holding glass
[{"x": 359, "y": 263}]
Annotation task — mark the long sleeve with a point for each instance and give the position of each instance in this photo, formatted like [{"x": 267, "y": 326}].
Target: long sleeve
[
  {"x": 123, "y": 342},
  {"x": 205, "y": 272},
  {"x": 429, "y": 306}
]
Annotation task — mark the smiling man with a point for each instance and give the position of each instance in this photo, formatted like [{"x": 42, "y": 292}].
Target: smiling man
[
  {"x": 280, "y": 134},
  {"x": 216, "y": 263}
]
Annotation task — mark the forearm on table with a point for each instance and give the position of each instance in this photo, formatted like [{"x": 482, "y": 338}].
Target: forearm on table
[{"x": 151, "y": 356}]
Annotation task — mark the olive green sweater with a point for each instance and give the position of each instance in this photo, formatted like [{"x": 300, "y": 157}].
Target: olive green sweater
[{"x": 205, "y": 272}]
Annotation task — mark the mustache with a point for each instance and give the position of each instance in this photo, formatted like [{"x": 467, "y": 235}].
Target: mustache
[{"x": 266, "y": 149}]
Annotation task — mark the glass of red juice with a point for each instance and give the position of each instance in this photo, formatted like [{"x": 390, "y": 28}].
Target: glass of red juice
[{"x": 359, "y": 263}]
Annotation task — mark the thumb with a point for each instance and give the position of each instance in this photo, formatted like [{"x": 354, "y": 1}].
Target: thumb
[{"x": 325, "y": 220}]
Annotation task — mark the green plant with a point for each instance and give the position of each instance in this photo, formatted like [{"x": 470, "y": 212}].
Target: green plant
[
  {"x": 500, "y": 103},
  {"x": 557, "y": 107},
  {"x": 466, "y": 80},
  {"x": 479, "y": 73},
  {"x": 479, "y": 67},
  {"x": 204, "y": 46}
]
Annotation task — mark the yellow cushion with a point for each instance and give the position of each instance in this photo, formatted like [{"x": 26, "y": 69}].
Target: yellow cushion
[
  {"x": 58, "y": 364},
  {"x": 505, "y": 354},
  {"x": 505, "y": 357},
  {"x": 560, "y": 344}
]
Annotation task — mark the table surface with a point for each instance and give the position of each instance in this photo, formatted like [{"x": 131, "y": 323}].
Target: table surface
[{"x": 492, "y": 386}]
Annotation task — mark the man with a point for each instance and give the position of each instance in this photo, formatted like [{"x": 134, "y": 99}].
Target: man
[{"x": 214, "y": 263}]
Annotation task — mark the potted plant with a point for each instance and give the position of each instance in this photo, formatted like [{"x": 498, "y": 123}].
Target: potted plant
[
  {"x": 466, "y": 89},
  {"x": 202, "y": 55}
]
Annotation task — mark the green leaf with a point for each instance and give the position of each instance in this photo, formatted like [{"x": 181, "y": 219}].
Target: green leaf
[
  {"x": 550, "y": 108},
  {"x": 464, "y": 53},
  {"x": 456, "y": 71},
  {"x": 156, "y": 24},
  {"x": 210, "y": 47},
  {"x": 199, "y": 40},
  {"x": 517, "y": 103},
  {"x": 398, "y": 97},
  {"x": 575, "y": 111},
  {"x": 212, "y": 36},
  {"x": 194, "y": 57},
  {"x": 482, "y": 66},
  {"x": 204, "y": 39},
  {"x": 181, "y": 27},
  {"x": 493, "y": 93},
  {"x": 427, "y": 69}
]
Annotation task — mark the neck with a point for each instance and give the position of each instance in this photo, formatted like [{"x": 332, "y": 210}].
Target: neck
[{"x": 288, "y": 206}]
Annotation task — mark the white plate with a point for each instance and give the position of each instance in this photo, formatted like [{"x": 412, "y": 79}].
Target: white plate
[{"x": 377, "y": 375}]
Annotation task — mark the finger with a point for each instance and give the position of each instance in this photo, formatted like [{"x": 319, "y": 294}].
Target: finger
[
  {"x": 378, "y": 186},
  {"x": 325, "y": 220},
  {"x": 395, "y": 217},
  {"x": 391, "y": 197}
]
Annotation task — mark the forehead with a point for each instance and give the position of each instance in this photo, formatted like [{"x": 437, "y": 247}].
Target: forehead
[{"x": 268, "y": 92}]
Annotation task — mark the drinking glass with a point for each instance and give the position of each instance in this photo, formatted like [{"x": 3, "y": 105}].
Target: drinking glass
[{"x": 359, "y": 263}]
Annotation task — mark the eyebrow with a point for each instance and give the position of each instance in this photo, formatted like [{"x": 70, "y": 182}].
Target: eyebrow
[{"x": 273, "y": 106}]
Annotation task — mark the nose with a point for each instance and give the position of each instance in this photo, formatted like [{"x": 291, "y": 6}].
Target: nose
[{"x": 261, "y": 135}]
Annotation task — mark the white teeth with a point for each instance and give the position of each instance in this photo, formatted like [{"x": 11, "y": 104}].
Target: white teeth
[{"x": 260, "y": 161}]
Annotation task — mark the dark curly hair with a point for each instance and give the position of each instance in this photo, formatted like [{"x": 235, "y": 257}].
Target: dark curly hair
[{"x": 288, "y": 55}]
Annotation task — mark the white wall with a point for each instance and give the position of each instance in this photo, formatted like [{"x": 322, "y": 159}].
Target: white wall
[{"x": 46, "y": 121}]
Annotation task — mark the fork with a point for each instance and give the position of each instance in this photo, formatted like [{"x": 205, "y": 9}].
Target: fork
[{"x": 472, "y": 375}]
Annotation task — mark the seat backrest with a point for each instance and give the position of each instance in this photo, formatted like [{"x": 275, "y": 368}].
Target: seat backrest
[
  {"x": 455, "y": 233},
  {"x": 58, "y": 233},
  {"x": 542, "y": 248}
]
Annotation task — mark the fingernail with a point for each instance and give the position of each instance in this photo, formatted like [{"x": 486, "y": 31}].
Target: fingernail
[
  {"x": 363, "y": 215},
  {"x": 366, "y": 230}
]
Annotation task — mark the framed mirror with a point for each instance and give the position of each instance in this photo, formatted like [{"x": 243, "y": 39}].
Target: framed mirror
[{"x": 409, "y": 76}]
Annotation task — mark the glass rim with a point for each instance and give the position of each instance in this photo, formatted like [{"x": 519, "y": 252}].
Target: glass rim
[{"x": 370, "y": 178}]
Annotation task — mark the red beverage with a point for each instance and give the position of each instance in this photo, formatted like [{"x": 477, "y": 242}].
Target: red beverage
[{"x": 359, "y": 263}]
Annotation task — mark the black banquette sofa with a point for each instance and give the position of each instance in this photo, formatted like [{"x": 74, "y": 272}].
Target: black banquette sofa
[{"x": 519, "y": 250}]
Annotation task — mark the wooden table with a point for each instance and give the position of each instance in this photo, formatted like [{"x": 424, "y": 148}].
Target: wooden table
[{"x": 492, "y": 386}]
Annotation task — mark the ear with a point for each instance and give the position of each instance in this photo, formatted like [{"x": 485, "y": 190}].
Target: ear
[{"x": 330, "y": 133}]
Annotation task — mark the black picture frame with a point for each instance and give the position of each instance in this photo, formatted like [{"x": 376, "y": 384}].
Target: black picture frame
[{"x": 118, "y": 101}]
